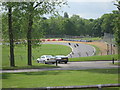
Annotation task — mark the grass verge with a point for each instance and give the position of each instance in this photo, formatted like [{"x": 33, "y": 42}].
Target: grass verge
[
  {"x": 117, "y": 63},
  {"x": 59, "y": 78},
  {"x": 90, "y": 38},
  {"x": 94, "y": 58},
  {"x": 96, "y": 48},
  {"x": 21, "y": 55},
  {"x": 93, "y": 39}
]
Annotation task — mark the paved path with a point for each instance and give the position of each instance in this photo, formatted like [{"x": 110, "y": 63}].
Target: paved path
[
  {"x": 82, "y": 50},
  {"x": 71, "y": 66}
]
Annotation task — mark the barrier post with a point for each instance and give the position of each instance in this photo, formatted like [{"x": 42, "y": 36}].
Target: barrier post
[
  {"x": 113, "y": 60},
  {"x": 56, "y": 63},
  {"x": 99, "y": 87}
]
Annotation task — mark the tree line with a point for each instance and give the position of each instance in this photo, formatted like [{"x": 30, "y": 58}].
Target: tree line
[
  {"x": 60, "y": 25},
  {"x": 78, "y": 26}
]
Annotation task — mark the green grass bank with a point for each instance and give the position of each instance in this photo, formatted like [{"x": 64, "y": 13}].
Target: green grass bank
[
  {"x": 59, "y": 78},
  {"x": 21, "y": 55},
  {"x": 95, "y": 58}
]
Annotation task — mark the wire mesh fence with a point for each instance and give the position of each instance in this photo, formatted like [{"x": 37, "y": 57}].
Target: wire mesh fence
[
  {"x": 110, "y": 43},
  {"x": 109, "y": 38}
]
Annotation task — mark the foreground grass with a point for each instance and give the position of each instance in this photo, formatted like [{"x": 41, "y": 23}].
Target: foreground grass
[
  {"x": 94, "y": 58},
  {"x": 59, "y": 78},
  {"x": 21, "y": 55}
]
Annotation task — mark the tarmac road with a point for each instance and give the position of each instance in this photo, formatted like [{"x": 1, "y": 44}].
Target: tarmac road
[
  {"x": 78, "y": 49},
  {"x": 88, "y": 65},
  {"x": 71, "y": 66}
]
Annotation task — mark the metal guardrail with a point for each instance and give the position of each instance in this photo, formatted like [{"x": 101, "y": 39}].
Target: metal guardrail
[{"x": 100, "y": 86}]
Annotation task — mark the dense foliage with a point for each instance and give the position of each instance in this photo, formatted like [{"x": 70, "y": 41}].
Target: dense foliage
[
  {"x": 78, "y": 26},
  {"x": 58, "y": 25}
]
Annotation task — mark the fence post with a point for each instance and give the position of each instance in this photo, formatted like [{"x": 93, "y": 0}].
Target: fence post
[
  {"x": 99, "y": 87},
  {"x": 107, "y": 49},
  {"x": 113, "y": 60},
  {"x": 56, "y": 63},
  {"x": 111, "y": 49},
  {"x": 107, "y": 52}
]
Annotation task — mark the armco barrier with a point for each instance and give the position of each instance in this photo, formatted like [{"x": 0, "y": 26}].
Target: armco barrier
[{"x": 77, "y": 40}]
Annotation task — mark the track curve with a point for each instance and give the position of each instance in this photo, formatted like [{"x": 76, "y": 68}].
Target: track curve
[{"x": 78, "y": 49}]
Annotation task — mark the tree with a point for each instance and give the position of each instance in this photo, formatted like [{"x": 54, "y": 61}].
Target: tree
[
  {"x": 12, "y": 63},
  {"x": 97, "y": 30},
  {"x": 117, "y": 28},
  {"x": 69, "y": 27},
  {"x": 9, "y": 6},
  {"x": 107, "y": 25},
  {"x": 33, "y": 9}
]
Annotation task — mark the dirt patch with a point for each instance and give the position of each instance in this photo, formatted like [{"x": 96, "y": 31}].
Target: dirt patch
[
  {"x": 105, "y": 49},
  {"x": 101, "y": 45}
]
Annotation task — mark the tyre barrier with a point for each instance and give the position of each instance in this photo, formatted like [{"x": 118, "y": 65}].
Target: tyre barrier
[
  {"x": 21, "y": 41},
  {"x": 51, "y": 39},
  {"x": 25, "y": 41}
]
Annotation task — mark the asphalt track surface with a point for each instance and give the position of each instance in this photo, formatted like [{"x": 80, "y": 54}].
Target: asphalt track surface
[
  {"x": 78, "y": 49},
  {"x": 71, "y": 66}
]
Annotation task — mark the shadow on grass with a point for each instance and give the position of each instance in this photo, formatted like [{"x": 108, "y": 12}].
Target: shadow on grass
[
  {"x": 4, "y": 76},
  {"x": 44, "y": 73},
  {"x": 7, "y": 75},
  {"x": 62, "y": 72},
  {"x": 30, "y": 67}
]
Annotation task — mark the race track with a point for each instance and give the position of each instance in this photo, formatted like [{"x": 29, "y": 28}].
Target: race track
[{"x": 78, "y": 49}]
